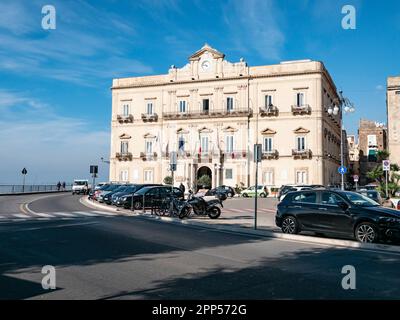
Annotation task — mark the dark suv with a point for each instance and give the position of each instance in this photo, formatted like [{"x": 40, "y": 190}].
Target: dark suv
[{"x": 343, "y": 213}]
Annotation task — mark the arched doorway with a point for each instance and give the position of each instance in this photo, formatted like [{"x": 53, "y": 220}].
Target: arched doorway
[{"x": 204, "y": 178}]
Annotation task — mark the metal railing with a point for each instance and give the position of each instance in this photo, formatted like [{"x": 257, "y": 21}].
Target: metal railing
[
  {"x": 236, "y": 112},
  {"x": 19, "y": 188}
]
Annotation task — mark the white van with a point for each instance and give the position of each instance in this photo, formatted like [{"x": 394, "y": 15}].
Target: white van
[{"x": 80, "y": 187}]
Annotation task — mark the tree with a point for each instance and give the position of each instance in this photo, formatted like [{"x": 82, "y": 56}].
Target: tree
[
  {"x": 204, "y": 180},
  {"x": 378, "y": 175},
  {"x": 168, "y": 180}
]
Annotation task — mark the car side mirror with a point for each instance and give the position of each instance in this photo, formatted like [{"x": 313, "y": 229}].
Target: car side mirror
[{"x": 343, "y": 205}]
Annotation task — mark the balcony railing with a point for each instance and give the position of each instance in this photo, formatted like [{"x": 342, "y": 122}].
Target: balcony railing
[
  {"x": 304, "y": 109},
  {"x": 147, "y": 117},
  {"x": 125, "y": 118},
  {"x": 238, "y": 154},
  {"x": 148, "y": 156},
  {"x": 273, "y": 154},
  {"x": 126, "y": 156},
  {"x": 215, "y": 113},
  {"x": 180, "y": 154},
  {"x": 302, "y": 154},
  {"x": 269, "y": 111}
]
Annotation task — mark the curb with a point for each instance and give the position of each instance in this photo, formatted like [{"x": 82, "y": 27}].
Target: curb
[
  {"x": 30, "y": 193},
  {"x": 383, "y": 248}
]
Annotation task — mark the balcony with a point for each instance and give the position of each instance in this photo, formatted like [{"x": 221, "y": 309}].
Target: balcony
[
  {"x": 270, "y": 155},
  {"x": 270, "y": 111},
  {"x": 146, "y": 117},
  {"x": 302, "y": 154},
  {"x": 148, "y": 156},
  {"x": 216, "y": 113},
  {"x": 125, "y": 118},
  {"x": 300, "y": 110},
  {"x": 239, "y": 154},
  {"x": 126, "y": 156},
  {"x": 180, "y": 155}
]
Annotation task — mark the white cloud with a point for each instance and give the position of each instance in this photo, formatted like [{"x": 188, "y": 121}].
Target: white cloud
[
  {"x": 254, "y": 25},
  {"x": 380, "y": 87}
]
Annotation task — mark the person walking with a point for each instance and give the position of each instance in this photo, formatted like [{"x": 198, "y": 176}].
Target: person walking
[
  {"x": 63, "y": 186},
  {"x": 58, "y": 186}
]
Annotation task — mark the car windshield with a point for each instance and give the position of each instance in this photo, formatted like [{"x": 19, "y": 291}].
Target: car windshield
[
  {"x": 143, "y": 190},
  {"x": 80, "y": 183},
  {"x": 360, "y": 200}
]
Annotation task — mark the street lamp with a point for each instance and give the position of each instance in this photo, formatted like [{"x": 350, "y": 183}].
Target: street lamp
[
  {"x": 105, "y": 161},
  {"x": 342, "y": 105}
]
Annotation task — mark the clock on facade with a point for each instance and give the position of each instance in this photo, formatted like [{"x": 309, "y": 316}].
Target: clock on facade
[{"x": 206, "y": 65}]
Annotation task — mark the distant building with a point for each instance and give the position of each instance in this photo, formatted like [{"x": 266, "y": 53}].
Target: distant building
[
  {"x": 393, "y": 111},
  {"x": 372, "y": 137},
  {"x": 354, "y": 157},
  {"x": 211, "y": 112}
]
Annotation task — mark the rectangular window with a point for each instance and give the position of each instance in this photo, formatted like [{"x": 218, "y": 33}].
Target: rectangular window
[
  {"x": 149, "y": 147},
  {"x": 204, "y": 144},
  {"x": 372, "y": 140},
  {"x": 300, "y": 99},
  {"x": 206, "y": 105},
  {"x": 123, "y": 176},
  {"x": 229, "y": 144},
  {"x": 182, "y": 106},
  {"x": 229, "y": 104},
  {"x": 268, "y": 144},
  {"x": 124, "y": 147},
  {"x": 181, "y": 144},
  {"x": 268, "y": 101},
  {"x": 301, "y": 177},
  {"x": 269, "y": 178},
  {"x": 306, "y": 197},
  {"x": 125, "y": 110},
  {"x": 150, "y": 108},
  {"x": 148, "y": 176},
  {"x": 228, "y": 173},
  {"x": 301, "y": 143}
]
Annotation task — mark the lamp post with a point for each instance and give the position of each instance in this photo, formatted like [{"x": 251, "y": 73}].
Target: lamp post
[
  {"x": 105, "y": 161},
  {"x": 342, "y": 106}
]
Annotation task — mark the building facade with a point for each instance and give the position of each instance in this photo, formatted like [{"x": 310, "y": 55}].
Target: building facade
[
  {"x": 372, "y": 137},
  {"x": 393, "y": 111},
  {"x": 354, "y": 158},
  {"x": 212, "y": 112}
]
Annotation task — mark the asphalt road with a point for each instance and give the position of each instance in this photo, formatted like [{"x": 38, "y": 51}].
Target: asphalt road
[{"x": 123, "y": 257}]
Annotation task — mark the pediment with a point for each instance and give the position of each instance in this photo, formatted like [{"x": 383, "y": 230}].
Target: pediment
[
  {"x": 229, "y": 129},
  {"x": 182, "y": 131},
  {"x": 206, "y": 48},
  {"x": 149, "y": 136},
  {"x": 301, "y": 130},
  {"x": 268, "y": 131},
  {"x": 205, "y": 130},
  {"x": 125, "y": 136}
]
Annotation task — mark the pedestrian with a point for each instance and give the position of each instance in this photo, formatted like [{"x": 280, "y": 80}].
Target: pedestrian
[
  {"x": 63, "y": 186},
  {"x": 58, "y": 186},
  {"x": 182, "y": 187}
]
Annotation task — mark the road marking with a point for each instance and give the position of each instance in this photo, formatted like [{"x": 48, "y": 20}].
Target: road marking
[
  {"x": 87, "y": 214},
  {"x": 105, "y": 213},
  {"x": 23, "y": 216},
  {"x": 43, "y": 215},
  {"x": 2, "y": 217},
  {"x": 65, "y": 214}
]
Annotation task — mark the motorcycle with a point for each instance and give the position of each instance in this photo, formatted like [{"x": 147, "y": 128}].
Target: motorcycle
[{"x": 201, "y": 207}]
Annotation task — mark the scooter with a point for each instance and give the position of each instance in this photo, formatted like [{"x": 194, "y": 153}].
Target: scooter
[{"x": 200, "y": 207}]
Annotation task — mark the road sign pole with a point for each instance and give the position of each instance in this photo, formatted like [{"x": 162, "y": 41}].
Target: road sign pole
[
  {"x": 23, "y": 183},
  {"x": 257, "y": 159},
  {"x": 387, "y": 191}
]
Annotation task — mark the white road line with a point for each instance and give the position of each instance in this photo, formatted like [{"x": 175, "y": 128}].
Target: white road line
[
  {"x": 2, "y": 217},
  {"x": 105, "y": 213},
  {"x": 87, "y": 214},
  {"x": 43, "y": 215},
  {"x": 65, "y": 214},
  {"x": 22, "y": 216}
]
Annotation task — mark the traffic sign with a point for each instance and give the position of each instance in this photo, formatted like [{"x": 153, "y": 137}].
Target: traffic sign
[
  {"x": 356, "y": 178},
  {"x": 94, "y": 169},
  {"x": 342, "y": 170},
  {"x": 24, "y": 171},
  {"x": 386, "y": 165},
  {"x": 257, "y": 153}
]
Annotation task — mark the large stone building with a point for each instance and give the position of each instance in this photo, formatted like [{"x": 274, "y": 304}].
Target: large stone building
[
  {"x": 372, "y": 137},
  {"x": 354, "y": 157},
  {"x": 212, "y": 112},
  {"x": 393, "y": 111}
]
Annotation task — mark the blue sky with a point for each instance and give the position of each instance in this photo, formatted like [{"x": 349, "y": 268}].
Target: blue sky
[{"x": 55, "y": 99}]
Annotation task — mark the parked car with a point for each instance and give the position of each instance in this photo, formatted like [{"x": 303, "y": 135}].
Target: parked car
[
  {"x": 298, "y": 188},
  {"x": 251, "y": 192},
  {"x": 229, "y": 191},
  {"x": 106, "y": 190},
  {"x": 218, "y": 193},
  {"x": 342, "y": 213},
  {"x": 80, "y": 187},
  {"x": 150, "y": 196},
  {"x": 117, "y": 197},
  {"x": 372, "y": 194},
  {"x": 108, "y": 197},
  {"x": 395, "y": 203}
]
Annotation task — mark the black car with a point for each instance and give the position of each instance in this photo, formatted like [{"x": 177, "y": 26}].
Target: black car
[
  {"x": 220, "y": 194},
  {"x": 342, "y": 213},
  {"x": 150, "y": 196},
  {"x": 229, "y": 191},
  {"x": 108, "y": 197},
  {"x": 117, "y": 199},
  {"x": 372, "y": 194}
]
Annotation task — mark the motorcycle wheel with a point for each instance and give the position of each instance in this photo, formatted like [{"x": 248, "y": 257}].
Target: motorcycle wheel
[
  {"x": 184, "y": 213},
  {"x": 214, "y": 213}
]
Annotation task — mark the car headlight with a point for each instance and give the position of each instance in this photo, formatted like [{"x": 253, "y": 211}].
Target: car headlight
[{"x": 124, "y": 198}]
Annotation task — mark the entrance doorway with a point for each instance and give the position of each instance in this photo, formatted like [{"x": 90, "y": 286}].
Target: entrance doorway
[{"x": 204, "y": 178}]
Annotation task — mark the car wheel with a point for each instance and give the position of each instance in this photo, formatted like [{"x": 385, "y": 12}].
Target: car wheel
[
  {"x": 137, "y": 205},
  {"x": 290, "y": 225},
  {"x": 263, "y": 195},
  {"x": 230, "y": 195},
  {"x": 245, "y": 195},
  {"x": 366, "y": 232}
]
